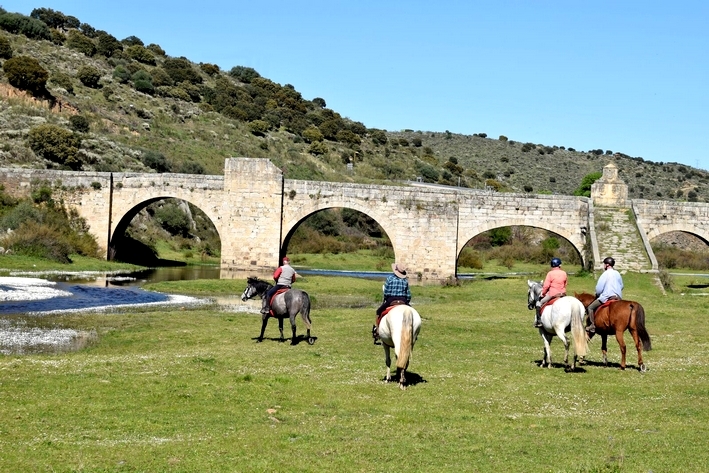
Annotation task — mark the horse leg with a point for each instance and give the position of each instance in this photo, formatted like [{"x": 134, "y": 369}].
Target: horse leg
[
  {"x": 264, "y": 322},
  {"x": 387, "y": 361},
  {"x": 639, "y": 348},
  {"x": 621, "y": 342},
  {"x": 280, "y": 327},
  {"x": 546, "y": 355},
  {"x": 402, "y": 378},
  {"x": 604, "y": 348},
  {"x": 292, "y": 325}
]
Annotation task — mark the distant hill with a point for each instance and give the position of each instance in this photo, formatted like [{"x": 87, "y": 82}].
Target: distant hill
[{"x": 112, "y": 104}]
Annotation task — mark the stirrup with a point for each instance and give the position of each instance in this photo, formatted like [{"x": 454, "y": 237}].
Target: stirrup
[{"x": 538, "y": 323}]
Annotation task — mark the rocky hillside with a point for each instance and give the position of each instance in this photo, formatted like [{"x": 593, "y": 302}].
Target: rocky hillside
[{"x": 110, "y": 104}]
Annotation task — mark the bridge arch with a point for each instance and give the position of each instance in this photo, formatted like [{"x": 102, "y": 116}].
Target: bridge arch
[
  {"x": 697, "y": 231},
  {"x": 571, "y": 237}
]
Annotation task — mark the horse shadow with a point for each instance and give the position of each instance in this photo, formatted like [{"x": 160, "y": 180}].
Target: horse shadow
[
  {"x": 579, "y": 368},
  {"x": 610, "y": 364},
  {"x": 412, "y": 379},
  {"x": 297, "y": 341}
]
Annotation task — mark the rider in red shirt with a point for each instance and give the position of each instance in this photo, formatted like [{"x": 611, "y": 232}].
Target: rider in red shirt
[{"x": 554, "y": 286}]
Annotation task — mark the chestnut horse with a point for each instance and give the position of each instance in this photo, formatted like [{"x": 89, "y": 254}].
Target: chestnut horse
[{"x": 616, "y": 318}]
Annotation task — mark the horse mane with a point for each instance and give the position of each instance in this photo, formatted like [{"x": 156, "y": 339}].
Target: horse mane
[{"x": 259, "y": 284}]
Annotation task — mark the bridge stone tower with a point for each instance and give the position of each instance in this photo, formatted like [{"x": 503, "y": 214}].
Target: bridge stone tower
[{"x": 610, "y": 190}]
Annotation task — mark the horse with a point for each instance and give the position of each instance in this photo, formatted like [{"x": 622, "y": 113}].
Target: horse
[
  {"x": 287, "y": 304},
  {"x": 616, "y": 318},
  {"x": 399, "y": 329},
  {"x": 558, "y": 318}
]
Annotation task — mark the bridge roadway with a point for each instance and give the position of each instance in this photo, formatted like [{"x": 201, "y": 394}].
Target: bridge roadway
[{"x": 256, "y": 211}]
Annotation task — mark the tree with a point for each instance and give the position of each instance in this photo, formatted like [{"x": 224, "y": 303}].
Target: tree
[
  {"x": 244, "y": 74},
  {"x": 63, "y": 80},
  {"x": 584, "y": 189},
  {"x": 55, "y": 19},
  {"x": 140, "y": 54},
  {"x": 79, "y": 123},
  {"x": 181, "y": 70},
  {"x": 26, "y": 73},
  {"x": 132, "y": 41},
  {"x": 155, "y": 160},
  {"x": 143, "y": 82},
  {"x": 5, "y": 48},
  {"x": 312, "y": 134},
  {"x": 89, "y": 76},
  {"x": 81, "y": 43},
  {"x": 320, "y": 102},
  {"x": 16, "y": 23},
  {"x": 56, "y": 144},
  {"x": 209, "y": 69},
  {"x": 108, "y": 45},
  {"x": 378, "y": 137}
]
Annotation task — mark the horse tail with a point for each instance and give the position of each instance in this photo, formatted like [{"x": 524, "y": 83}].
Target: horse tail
[
  {"x": 577, "y": 329},
  {"x": 640, "y": 327},
  {"x": 305, "y": 310},
  {"x": 407, "y": 337}
]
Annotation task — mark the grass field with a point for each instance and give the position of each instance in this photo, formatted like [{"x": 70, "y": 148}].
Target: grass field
[{"x": 189, "y": 390}]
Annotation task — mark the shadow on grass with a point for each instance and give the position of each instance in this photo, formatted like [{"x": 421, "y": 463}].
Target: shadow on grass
[
  {"x": 611, "y": 364},
  {"x": 579, "y": 368},
  {"x": 412, "y": 379},
  {"x": 297, "y": 341}
]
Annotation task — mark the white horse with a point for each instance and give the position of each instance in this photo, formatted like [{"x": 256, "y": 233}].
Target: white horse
[
  {"x": 399, "y": 329},
  {"x": 567, "y": 313}
]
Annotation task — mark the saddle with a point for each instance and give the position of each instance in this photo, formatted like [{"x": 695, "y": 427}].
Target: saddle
[
  {"x": 607, "y": 303},
  {"x": 386, "y": 311},
  {"x": 270, "y": 303},
  {"x": 551, "y": 301}
]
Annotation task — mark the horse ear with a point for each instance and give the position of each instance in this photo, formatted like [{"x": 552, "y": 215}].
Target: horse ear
[{"x": 529, "y": 283}]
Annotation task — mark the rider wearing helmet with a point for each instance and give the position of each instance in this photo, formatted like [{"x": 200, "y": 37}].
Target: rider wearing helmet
[
  {"x": 608, "y": 287},
  {"x": 554, "y": 286}
]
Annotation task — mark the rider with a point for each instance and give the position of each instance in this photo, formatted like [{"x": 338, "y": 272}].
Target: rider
[
  {"x": 608, "y": 287},
  {"x": 396, "y": 288},
  {"x": 284, "y": 276},
  {"x": 554, "y": 286}
]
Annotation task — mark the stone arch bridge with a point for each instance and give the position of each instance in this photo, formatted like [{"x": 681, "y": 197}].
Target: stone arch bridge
[{"x": 255, "y": 211}]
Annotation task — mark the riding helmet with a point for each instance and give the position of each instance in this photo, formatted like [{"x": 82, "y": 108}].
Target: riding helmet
[
  {"x": 609, "y": 261},
  {"x": 555, "y": 262}
]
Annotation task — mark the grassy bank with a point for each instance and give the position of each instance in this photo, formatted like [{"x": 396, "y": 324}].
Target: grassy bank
[{"x": 190, "y": 390}]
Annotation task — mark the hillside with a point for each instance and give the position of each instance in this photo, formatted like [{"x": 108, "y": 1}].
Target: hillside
[{"x": 119, "y": 105}]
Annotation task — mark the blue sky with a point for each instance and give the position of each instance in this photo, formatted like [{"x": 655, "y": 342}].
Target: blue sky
[{"x": 628, "y": 76}]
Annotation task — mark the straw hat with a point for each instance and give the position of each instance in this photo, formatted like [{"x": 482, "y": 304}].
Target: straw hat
[{"x": 399, "y": 269}]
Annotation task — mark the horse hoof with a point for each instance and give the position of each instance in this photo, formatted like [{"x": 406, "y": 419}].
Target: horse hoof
[
  {"x": 643, "y": 368},
  {"x": 402, "y": 387},
  {"x": 311, "y": 341},
  {"x": 259, "y": 340}
]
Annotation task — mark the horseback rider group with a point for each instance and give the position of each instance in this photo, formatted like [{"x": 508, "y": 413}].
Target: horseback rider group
[{"x": 608, "y": 287}]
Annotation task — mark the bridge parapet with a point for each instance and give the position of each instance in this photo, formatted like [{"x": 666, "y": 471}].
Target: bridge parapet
[{"x": 660, "y": 217}]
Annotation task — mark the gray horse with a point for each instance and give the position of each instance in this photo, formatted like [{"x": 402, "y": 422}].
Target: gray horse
[{"x": 287, "y": 304}]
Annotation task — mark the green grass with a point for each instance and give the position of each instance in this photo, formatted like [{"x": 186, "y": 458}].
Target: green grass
[
  {"x": 190, "y": 390},
  {"x": 79, "y": 263}
]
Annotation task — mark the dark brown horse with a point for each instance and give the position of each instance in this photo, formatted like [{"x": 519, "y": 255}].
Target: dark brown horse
[{"x": 616, "y": 318}]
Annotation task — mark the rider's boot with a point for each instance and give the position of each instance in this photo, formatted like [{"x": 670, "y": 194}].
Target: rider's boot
[
  {"x": 537, "y": 318},
  {"x": 375, "y": 332},
  {"x": 591, "y": 326},
  {"x": 265, "y": 309}
]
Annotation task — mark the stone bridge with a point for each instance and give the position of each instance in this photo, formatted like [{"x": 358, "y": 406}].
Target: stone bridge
[{"x": 256, "y": 211}]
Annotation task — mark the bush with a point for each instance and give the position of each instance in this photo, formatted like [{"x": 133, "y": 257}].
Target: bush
[
  {"x": 62, "y": 80},
  {"x": 140, "y": 54},
  {"x": 191, "y": 167},
  {"x": 244, "y": 74},
  {"x": 55, "y": 19},
  {"x": 209, "y": 69},
  {"x": 79, "y": 123},
  {"x": 584, "y": 188},
  {"x": 89, "y": 76},
  {"x": 181, "y": 70},
  {"x": 155, "y": 160},
  {"x": 156, "y": 49},
  {"x": 173, "y": 219},
  {"x": 378, "y": 137},
  {"x": 56, "y": 144},
  {"x": 39, "y": 241},
  {"x": 16, "y": 23},
  {"x": 259, "y": 127},
  {"x": 5, "y": 48},
  {"x": 121, "y": 74},
  {"x": 132, "y": 41},
  {"x": 26, "y": 73},
  {"x": 108, "y": 45},
  {"x": 318, "y": 148},
  {"x": 142, "y": 82},
  {"x": 312, "y": 134},
  {"x": 81, "y": 43}
]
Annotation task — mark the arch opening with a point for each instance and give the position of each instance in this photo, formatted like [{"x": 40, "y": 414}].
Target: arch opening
[
  {"x": 681, "y": 250},
  {"x": 339, "y": 238},
  {"x": 165, "y": 231},
  {"x": 516, "y": 247}
]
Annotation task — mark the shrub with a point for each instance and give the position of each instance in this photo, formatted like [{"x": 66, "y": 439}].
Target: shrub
[
  {"x": 319, "y": 102},
  {"x": 108, "y": 45},
  {"x": 142, "y": 82},
  {"x": 244, "y": 74},
  {"x": 121, "y": 74},
  {"x": 349, "y": 137},
  {"x": 428, "y": 172},
  {"x": 39, "y": 241},
  {"x": 173, "y": 219},
  {"x": 192, "y": 167},
  {"x": 132, "y": 41},
  {"x": 155, "y": 160},
  {"x": 56, "y": 144},
  {"x": 140, "y": 54},
  {"x": 378, "y": 137},
  {"x": 181, "y": 70},
  {"x": 5, "y": 48},
  {"x": 89, "y": 76},
  {"x": 16, "y": 23},
  {"x": 312, "y": 134},
  {"x": 318, "y": 148},
  {"x": 79, "y": 123},
  {"x": 81, "y": 43},
  {"x": 259, "y": 127},
  {"x": 55, "y": 19},
  {"x": 209, "y": 69},
  {"x": 160, "y": 77},
  {"x": 156, "y": 49},
  {"x": 24, "y": 211},
  {"x": 470, "y": 259},
  {"x": 584, "y": 188},
  {"x": 26, "y": 73},
  {"x": 62, "y": 80}
]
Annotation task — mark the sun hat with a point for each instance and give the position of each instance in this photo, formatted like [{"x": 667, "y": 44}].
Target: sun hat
[
  {"x": 286, "y": 260},
  {"x": 399, "y": 269}
]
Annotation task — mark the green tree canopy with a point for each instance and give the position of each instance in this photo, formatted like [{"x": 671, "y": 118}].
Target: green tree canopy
[
  {"x": 584, "y": 189},
  {"x": 26, "y": 73}
]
